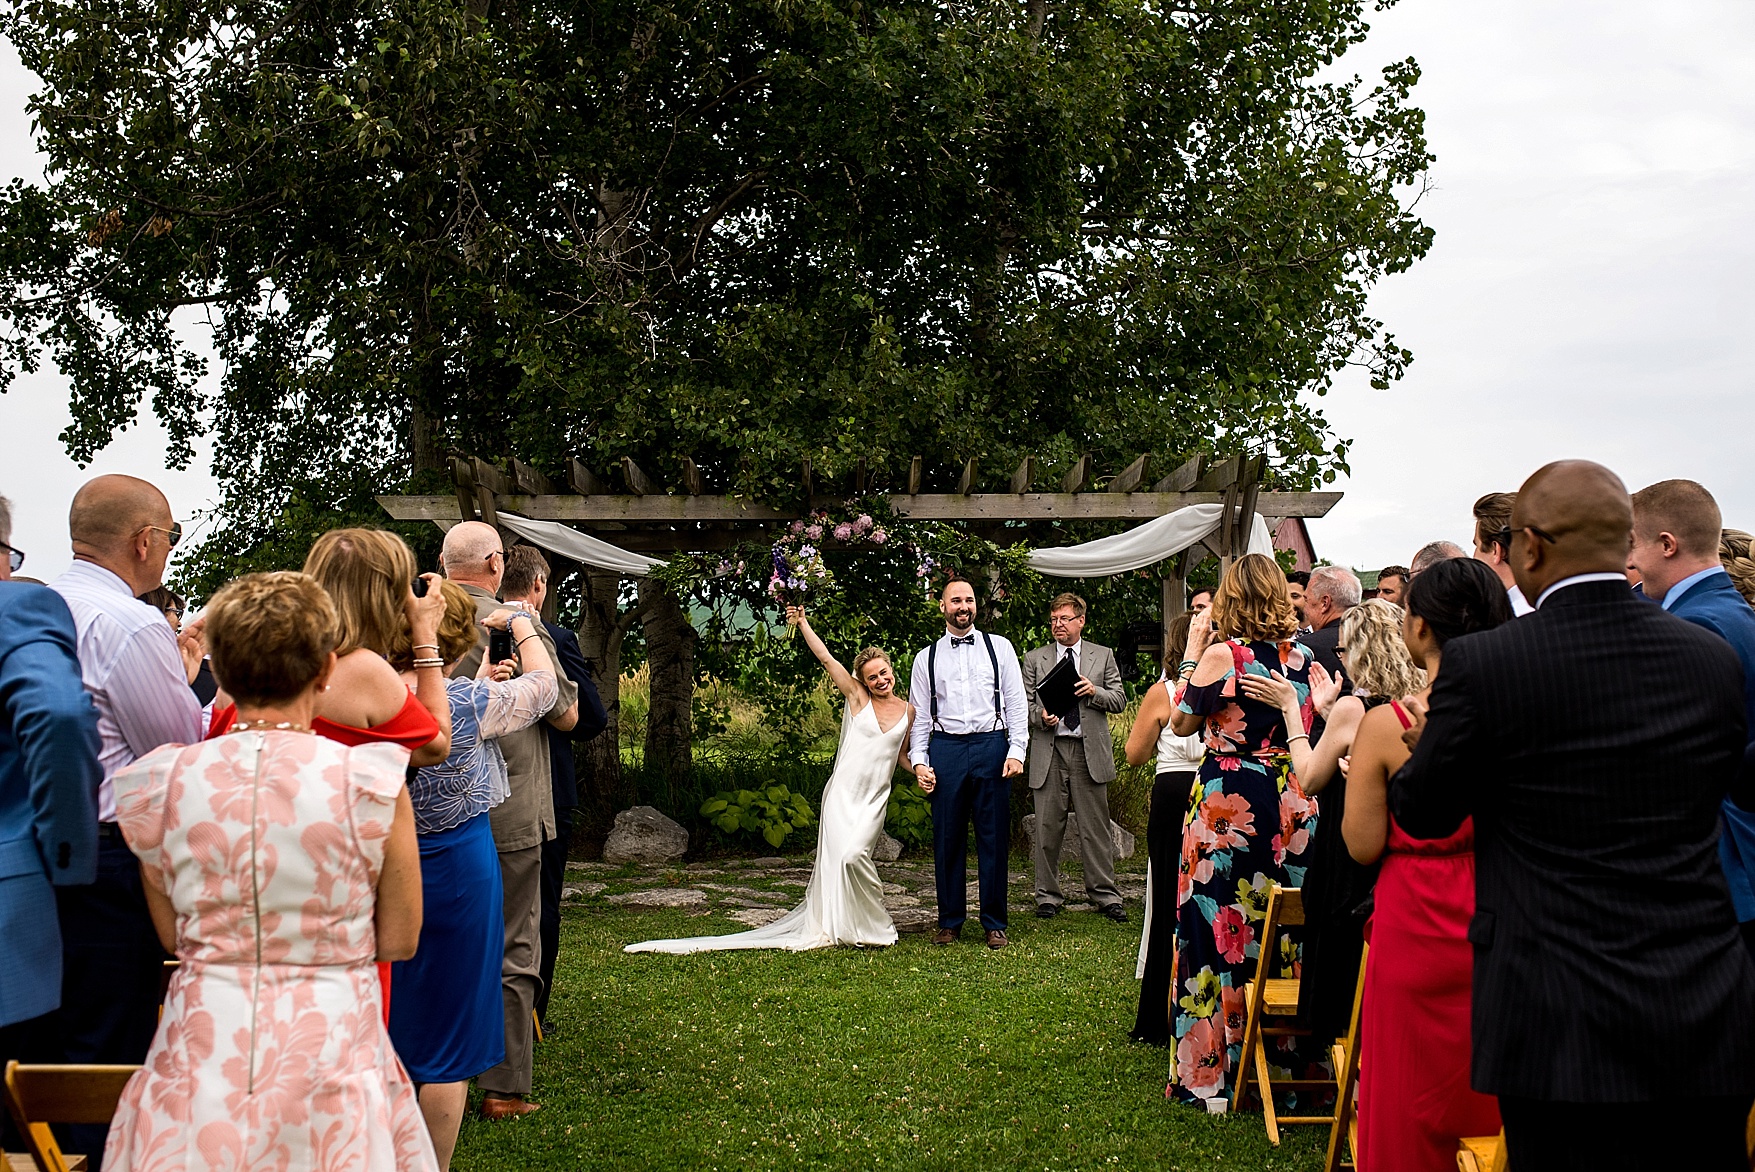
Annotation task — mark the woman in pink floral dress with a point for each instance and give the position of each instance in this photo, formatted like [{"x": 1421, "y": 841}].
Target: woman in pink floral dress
[
  {"x": 279, "y": 867},
  {"x": 1249, "y": 825}
]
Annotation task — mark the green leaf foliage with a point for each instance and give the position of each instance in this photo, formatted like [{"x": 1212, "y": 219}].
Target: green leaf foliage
[
  {"x": 748, "y": 233},
  {"x": 772, "y": 813}
]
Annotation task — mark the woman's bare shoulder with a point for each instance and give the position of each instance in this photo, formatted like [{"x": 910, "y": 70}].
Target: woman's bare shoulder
[{"x": 363, "y": 691}]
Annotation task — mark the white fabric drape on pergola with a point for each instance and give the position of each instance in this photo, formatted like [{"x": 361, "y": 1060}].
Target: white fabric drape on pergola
[{"x": 1143, "y": 545}]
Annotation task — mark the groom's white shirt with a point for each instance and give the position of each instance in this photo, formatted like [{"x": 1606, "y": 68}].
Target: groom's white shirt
[{"x": 965, "y": 695}]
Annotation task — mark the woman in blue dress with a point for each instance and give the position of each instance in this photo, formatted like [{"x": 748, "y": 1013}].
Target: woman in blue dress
[
  {"x": 1249, "y": 825},
  {"x": 446, "y": 1015}
]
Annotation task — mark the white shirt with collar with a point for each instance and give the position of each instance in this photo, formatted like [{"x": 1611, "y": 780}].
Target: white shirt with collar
[
  {"x": 1520, "y": 605},
  {"x": 1077, "y": 651},
  {"x": 1674, "y": 595},
  {"x": 965, "y": 694},
  {"x": 1601, "y": 576},
  {"x": 129, "y": 661}
]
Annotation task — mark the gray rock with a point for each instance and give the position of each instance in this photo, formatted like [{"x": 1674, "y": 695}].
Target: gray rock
[
  {"x": 580, "y": 890},
  {"x": 643, "y": 835},
  {"x": 739, "y": 901},
  {"x": 571, "y": 866},
  {"x": 892, "y": 902},
  {"x": 757, "y": 917},
  {"x": 894, "y": 889},
  {"x": 1125, "y": 842},
  {"x": 765, "y": 861},
  {"x": 915, "y": 919},
  {"x": 888, "y": 849},
  {"x": 746, "y": 892},
  {"x": 659, "y": 897}
]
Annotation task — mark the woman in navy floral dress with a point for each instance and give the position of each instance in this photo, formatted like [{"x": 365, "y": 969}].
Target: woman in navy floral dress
[{"x": 1249, "y": 824}]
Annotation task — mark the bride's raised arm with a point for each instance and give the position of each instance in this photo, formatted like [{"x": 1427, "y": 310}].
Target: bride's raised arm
[{"x": 844, "y": 680}]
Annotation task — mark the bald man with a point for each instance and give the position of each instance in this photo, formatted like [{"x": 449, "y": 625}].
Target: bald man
[
  {"x": 1593, "y": 742},
  {"x": 122, "y": 533}
]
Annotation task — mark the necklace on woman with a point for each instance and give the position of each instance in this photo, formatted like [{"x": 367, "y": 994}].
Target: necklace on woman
[{"x": 268, "y": 726}]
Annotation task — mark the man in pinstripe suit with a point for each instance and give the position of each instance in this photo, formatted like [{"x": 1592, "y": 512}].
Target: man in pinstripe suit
[{"x": 1592, "y": 742}]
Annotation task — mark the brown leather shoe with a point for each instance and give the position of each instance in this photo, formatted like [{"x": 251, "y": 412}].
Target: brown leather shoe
[
  {"x": 946, "y": 936},
  {"x": 495, "y": 1108},
  {"x": 996, "y": 940}
]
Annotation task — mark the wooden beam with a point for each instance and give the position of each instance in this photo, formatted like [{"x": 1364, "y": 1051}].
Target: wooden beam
[
  {"x": 1129, "y": 477},
  {"x": 1029, "y": 506},
  {"x": 638, "y": 482},
  {"x": 584, "y": 483},
  {"x": 810, "y": 483},
  {"x": 1024, "y": 475},
  {"x": 1183, "y": 478},
  {"x": 860, "y": 479},
  {"x": 1081, "y": 472},
  {"x": 530, "y": 481},
  {"x": 693, "y": 480},
  {"x": 489, "y": 477},
  {"x": 914, "y": 471},
  {"x": 463, "y": 473},
  {"x": 966, "y": 482},
  {"x": 1220, "y": 477}
]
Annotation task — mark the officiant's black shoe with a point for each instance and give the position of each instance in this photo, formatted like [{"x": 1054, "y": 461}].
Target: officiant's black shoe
[
  {"x": 1115, "y": 912},
  {"x": 996, "y": 940},
  {"x": 946, "y": 935},
  {"x": 1047, "y": 911}
]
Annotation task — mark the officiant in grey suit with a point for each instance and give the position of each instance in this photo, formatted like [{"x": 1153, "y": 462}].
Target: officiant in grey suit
[{"x": 1072, "y": 760}]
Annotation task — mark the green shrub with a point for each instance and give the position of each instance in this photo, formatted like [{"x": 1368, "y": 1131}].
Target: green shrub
[
  {"x": 774, "y": 812},
  {"x": 909, "y": 818}
]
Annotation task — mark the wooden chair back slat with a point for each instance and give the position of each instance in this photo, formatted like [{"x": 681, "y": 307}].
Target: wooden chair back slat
[{"x": 37, "y": 1096}]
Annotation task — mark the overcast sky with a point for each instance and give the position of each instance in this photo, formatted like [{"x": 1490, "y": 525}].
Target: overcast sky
[{"x": 1589, "y": 292}]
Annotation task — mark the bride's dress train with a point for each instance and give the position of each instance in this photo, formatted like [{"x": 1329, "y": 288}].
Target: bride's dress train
[{"x": 844, "y": 902}]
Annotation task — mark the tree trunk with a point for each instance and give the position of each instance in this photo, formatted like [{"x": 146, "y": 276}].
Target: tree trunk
[
  {"x": 601, "y": 628},
  {"x": 670, "y": 653}
]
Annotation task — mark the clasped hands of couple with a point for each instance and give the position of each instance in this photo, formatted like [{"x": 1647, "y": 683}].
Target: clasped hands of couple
[{"x": 923, "y": 774}]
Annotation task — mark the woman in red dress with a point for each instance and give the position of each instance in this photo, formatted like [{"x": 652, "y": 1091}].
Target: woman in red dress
[{"x": 1414, "y": 1096}]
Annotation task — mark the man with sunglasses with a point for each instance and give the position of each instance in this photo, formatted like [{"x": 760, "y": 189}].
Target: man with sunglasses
[
  {"x": 122, "y": 533},
  {"x": 48, "y": 793}
]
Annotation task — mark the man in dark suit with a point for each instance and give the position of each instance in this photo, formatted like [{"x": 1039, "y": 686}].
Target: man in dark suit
[
  {"x": 1333, "y": 591},
  {"x": 1676, "y": 526},
  {"x": 1592, "y": 742},
  {"x": 526, "y": 581}
]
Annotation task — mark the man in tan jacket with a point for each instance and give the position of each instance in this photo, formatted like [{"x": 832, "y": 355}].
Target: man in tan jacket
[
  {"x": 1072, "y": 761},
  {"x": 475, "y": 559}
]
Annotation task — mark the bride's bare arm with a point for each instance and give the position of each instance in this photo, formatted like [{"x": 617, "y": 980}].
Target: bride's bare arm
[
  {"x": 907, "y": 765},
  {"x": 843, "y": 679}
]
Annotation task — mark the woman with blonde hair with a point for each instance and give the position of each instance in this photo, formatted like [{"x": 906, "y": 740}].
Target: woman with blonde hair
[
  {"x": 844, "y": 902},
  {"x": 1337, "y": 888},
  {"x": 1736, "y": 553},
  {"x": 278, "y": 866},
  {"x": 1249, "y": 822}
]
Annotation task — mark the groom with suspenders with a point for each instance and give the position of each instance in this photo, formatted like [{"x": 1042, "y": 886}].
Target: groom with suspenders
[{"x": 966, "y": 754}]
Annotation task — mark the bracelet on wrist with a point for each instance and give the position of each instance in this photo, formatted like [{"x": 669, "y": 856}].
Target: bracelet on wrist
[
  {"x": 425, "y": 647},
  {"x": 430, "y": 661},
  {"x": 527, "y": 639},
  {"x": 1297, "y": 737}
]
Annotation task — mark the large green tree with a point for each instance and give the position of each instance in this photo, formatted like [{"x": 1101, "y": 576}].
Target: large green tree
[{"x": 751, "y": 233}]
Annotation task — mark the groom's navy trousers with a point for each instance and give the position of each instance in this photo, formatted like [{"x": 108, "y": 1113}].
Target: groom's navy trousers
[{"x": 972, "y": 786}]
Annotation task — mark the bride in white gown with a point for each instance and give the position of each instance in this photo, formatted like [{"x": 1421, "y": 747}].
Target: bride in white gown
[{"x": 844, "y": 902}]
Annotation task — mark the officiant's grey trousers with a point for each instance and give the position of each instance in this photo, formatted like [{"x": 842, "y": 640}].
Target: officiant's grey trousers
[
  {"x": 1069, "y": 786},
  {"x": 521, "y": 887}
]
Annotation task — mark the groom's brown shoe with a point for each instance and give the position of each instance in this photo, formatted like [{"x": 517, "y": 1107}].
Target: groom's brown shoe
[
  {"x": 946, "y": 936},
  {"x": 996, "y": 940}
]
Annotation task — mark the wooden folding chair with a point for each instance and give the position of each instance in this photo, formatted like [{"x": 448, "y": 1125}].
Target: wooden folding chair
[
  {"x": 1484, "y": 1153},
  {"x": 40, "y": 1095},
  {"x": 1345, "y": 1056},
  {"x": 1272, "y": 1006}
]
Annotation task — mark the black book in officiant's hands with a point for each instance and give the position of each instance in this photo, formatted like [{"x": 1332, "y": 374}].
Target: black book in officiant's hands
[{"x": 1056, "y": 689}]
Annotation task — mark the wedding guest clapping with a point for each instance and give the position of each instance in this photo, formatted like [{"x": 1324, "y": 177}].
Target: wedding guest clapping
[
  {"x": 447, "y": 1019},
  {"x": 1249, "y": 825},
  {"x": 1593, "y": 742},
  {"x": 1072, "y": 760},
  {"x": 1337, "y": 888},
  {"x": 1175, "y": 762},
  {"x": 278, "y": 866},
  {"x": 1414, "y": 1096}
]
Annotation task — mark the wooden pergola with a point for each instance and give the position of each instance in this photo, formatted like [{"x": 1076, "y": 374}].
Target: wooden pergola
[{"x": 646, "y": 517}]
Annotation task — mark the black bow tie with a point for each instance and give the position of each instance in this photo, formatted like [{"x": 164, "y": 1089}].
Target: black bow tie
[{"x": 962, "y": 640}]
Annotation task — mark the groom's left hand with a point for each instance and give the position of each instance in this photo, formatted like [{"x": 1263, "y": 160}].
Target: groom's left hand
[{"x": 1013, "y": 767}]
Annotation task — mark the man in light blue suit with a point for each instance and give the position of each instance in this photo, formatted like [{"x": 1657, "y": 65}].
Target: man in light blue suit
[
  {"x": 1676, "y": 526},
  {"x": 49, "y": 777}
]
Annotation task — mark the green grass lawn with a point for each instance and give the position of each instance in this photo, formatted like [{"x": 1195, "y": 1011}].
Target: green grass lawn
[{"x": 906, "y": 1057}]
